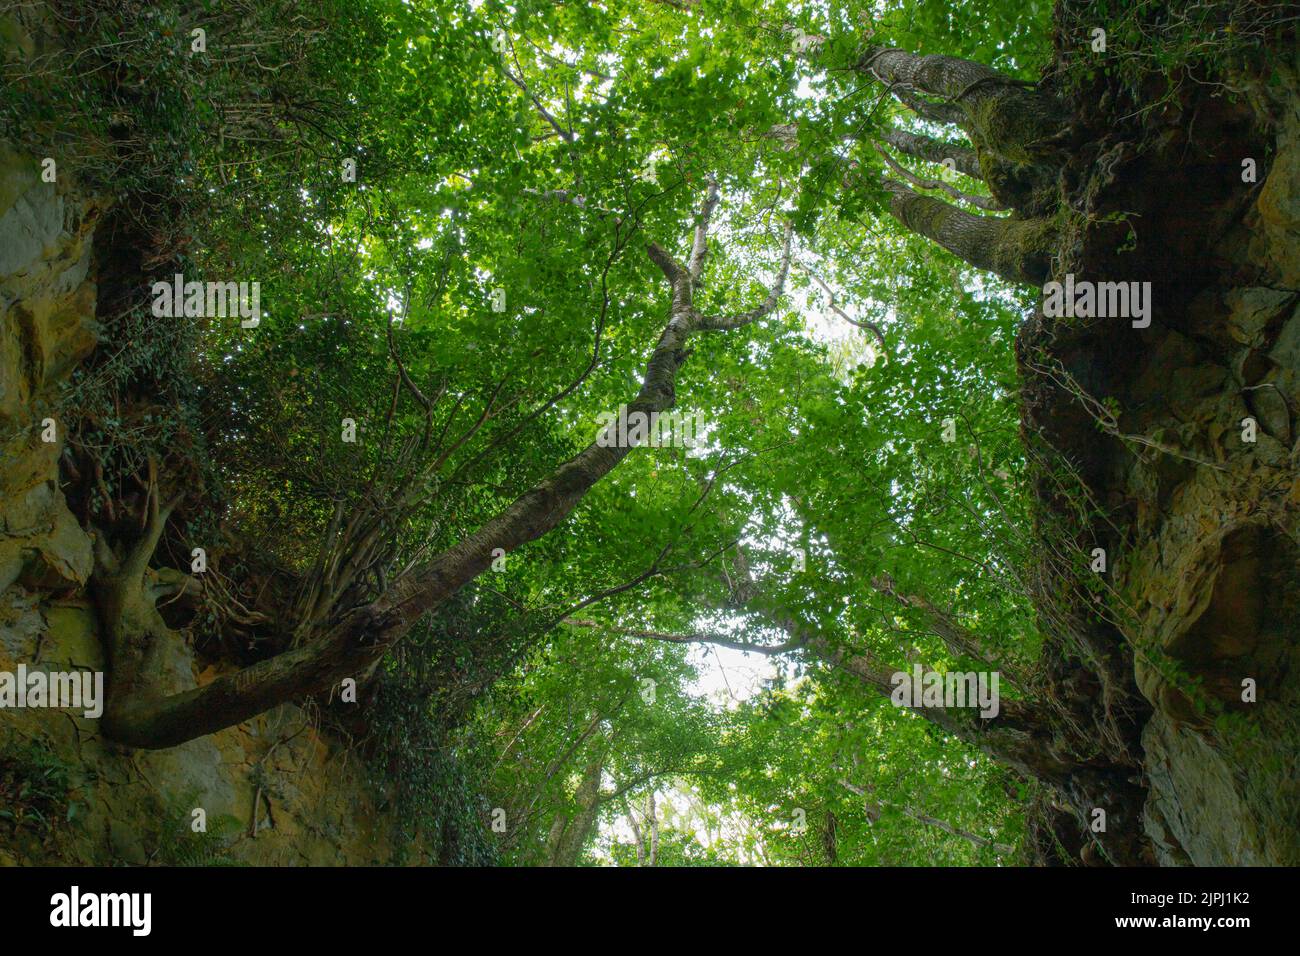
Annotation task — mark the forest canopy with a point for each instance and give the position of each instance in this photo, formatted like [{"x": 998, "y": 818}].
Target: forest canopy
[{"x": 807, "y": 235}]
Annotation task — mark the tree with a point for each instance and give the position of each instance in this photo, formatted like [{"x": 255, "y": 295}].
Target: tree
[{"x": 471, "y": 225}]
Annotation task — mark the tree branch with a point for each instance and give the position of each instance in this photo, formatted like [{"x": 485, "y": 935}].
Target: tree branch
[
  {"x": 697, "y": 637},
  {"x": 1018, "y": 250},
  {"x": 983, "y": 202},
  {"x": 964, "y": 159},
  {"x": 724, "y": 323},
  {"x": 834, "y": 307},
  {"x": 700, "y": 247}
]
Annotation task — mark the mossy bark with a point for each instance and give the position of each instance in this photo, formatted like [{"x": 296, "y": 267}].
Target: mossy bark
[
  {"x": 1018, "y": 250},
  {"x": 1000, "y": 114}
]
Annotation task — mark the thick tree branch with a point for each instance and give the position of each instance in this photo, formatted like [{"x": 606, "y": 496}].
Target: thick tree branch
[
  {"x": 944, "y": 76},
  {"x": 363, "y": 635},
  {"x": 1018, "y": 250},
  {"x": 964, "y": 160},
  {"x": 999, "y": 113}
]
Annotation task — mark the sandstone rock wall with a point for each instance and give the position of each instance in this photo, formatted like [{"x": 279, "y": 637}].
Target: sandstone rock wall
[
  {"x": 274, "y": 790},
  {"x": 1215, "y": 586}
]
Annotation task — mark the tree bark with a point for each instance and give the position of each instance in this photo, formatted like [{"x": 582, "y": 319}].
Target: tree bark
[
  {"x": 1018, "y": 250},
  {"x": 998, "y": 112},
  {"x": 935, "y": 151},
  {"x": 569, "y": 834}
]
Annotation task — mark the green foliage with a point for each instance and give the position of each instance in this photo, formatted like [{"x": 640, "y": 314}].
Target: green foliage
[
  {"x": 131, "y": 107},
  {"x": 423, "y": 694},
  {"x": 821, "y": 437},
  {"x": 35, "y": 790},
  {"x": 1153, "y": 50},
  {"x": 179, "y": 844}
]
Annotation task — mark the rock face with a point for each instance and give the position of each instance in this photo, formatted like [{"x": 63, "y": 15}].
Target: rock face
[
  {"x": 1215, "y": 584},
  {"x": 272, "y": 791},
  {"x": 1174, "y": 445},
  {"x": 1194, "y": 474},
  {"x": 47, "y": 299}
]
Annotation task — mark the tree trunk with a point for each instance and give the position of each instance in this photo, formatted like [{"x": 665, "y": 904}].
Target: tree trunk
[
  {"x": 999, "y": 113},
  {"x": 1018, "y": 250},
  {"x": 569, "y": 833}
]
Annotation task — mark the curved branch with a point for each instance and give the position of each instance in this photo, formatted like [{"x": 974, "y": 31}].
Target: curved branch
[
  {"x": 722, "y": 323},
  {"x": 983, "y": 202},
  {"x": 834, "y": 307}
]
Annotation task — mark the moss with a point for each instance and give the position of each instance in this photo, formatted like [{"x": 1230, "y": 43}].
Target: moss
[
  {"x": 1026, "y": 247},
  {"x": 1018, "y": 125}
]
